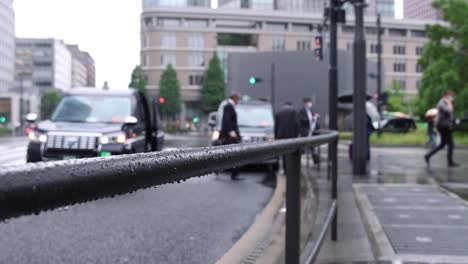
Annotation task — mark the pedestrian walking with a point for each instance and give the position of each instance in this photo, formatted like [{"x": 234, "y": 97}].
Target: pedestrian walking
[
  {"x": 431, "y": 134},
  {"x": 308, "y": 124},
  {"x": 229, "y": 133},
  {"x": 445, "y": 125},
  {"x": 286, "y": 125}
]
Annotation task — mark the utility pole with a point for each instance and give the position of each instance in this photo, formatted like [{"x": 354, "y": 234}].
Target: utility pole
[
  {"x": 333, "y": 90},
  {"x": 360, "y": 144},
  {"x": 273, "y": 92},
  {"x": 21, "y": 105},
  {"x": 379, "y": 74}
]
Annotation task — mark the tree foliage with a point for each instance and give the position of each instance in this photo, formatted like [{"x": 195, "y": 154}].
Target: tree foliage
[
  {"x": 213, "y": 87},
  {"x": 138, "y": 80},
  {"x": 445, "y": 57},
  {"x": 169, "y": 88},
  {"x": 396, "y": 101},
  {"x": 49, "y": 100}
]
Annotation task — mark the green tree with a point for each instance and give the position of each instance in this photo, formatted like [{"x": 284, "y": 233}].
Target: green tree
[
  {"x": 49, "y": 100},
  {"x": 213, "y": 87},
  {"x": 445, "y": 57},
  {"x": 169, "y": 88},
  {"x": 395, "y": 101},
  {"x": 138, "y": 80}
]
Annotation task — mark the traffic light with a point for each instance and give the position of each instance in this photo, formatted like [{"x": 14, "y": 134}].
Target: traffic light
[
  {"x": 195, "y": 120},
  {"x": 162, "y": 100},
  {"x": 254, "y": 80},
  {"x": 318, "y": 52},
  {"x": 3, "y": 119}
]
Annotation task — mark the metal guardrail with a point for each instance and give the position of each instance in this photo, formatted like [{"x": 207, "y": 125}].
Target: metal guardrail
[{"x": 33, "y": 188}]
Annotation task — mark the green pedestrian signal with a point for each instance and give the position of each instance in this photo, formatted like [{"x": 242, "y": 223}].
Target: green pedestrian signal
[
  {"x": 195, "y": 120},
  {"x": 2, "y": 119}
]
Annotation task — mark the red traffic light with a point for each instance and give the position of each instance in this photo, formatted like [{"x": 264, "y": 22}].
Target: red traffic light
[
  {"x": 162, "y": 100},
  {"x": 318, "y": 41}
]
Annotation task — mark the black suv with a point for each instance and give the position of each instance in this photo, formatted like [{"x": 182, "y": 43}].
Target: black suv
[{"x": 90, "y": 122}]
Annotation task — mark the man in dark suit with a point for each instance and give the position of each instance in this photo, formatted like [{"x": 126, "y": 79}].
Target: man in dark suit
[
  {"x": 229, "y": 133},
  {"x": 308, "y": 124},
  {"x": 286, "y": 125},
  {"x": 308, "y": 120}
]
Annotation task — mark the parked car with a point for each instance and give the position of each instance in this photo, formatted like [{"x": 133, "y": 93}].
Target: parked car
[
  {"x": 397, "y": 124},
  {"x": 90, "y": 123},
  {"x": 256, "y": 124}
]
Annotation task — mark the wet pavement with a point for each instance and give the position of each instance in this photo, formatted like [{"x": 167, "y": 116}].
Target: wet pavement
[
  {"x": 193, "y": 222},
  {"x": 415, "y": 216}
]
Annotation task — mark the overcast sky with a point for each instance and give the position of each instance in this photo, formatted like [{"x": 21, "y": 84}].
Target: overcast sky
[{"x": 107, "y": 29}]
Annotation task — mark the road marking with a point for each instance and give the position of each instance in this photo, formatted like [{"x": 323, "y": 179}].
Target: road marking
[
  {"x": 404, "y": 216},
  {"x": 453, "y": 216},
  {"x": 389, "y": 200},
  {"x": 424, "y": 239}
]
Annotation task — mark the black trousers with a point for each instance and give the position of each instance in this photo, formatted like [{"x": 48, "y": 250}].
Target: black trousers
[
  {"x": 229, "y": 141},
  {"x": 446, "y": 135}
]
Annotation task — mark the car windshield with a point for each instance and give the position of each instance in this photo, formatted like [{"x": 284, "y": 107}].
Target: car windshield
[
  {"x": 254, "y": 116},
  {"x": 92, "y": 109}
]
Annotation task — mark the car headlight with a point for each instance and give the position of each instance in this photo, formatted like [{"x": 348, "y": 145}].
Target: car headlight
[
  {"x": 36, "y": 136},
  {"x": 215, "y": 135},
  {"x": 116, "y": 138}
]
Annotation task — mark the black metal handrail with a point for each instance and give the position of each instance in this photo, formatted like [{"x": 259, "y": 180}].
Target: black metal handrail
[{"x": 33, "y": 188}]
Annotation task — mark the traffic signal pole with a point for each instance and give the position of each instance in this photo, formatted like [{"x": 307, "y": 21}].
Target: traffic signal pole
[
  {"x": 379, "y": 74},
  {"x": 360, "y": 142},
  {"x": 333, "y": 95}
]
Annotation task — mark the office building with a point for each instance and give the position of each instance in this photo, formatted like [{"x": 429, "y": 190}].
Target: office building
[
  {"x": 7, "y": 45},
  {"x": 83, "y": 69},
  {"x": 187, "y": 39},
  {"x": 176, "y": 3},
  {"x": 420, "y": 9}
]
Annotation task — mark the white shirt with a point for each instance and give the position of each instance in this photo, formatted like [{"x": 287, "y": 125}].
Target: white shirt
[{"x": 311, "y": 120}]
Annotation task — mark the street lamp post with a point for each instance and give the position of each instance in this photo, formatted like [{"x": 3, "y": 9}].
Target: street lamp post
[{"x": 360, "y": 144}]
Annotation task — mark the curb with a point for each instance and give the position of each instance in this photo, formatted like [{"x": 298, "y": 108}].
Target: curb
[{"x": 259, "y": 231}]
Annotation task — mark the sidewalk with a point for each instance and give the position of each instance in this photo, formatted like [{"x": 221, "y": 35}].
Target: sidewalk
[{"x": 397, "y": 214}]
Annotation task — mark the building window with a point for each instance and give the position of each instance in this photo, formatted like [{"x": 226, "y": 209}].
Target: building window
[
  {"x": 401, "y": 83},
  {"x": 196, "y": 59},
  {"x": 347, "y": 29},
  {"x": 399, "y": 67},
  {"x": 196, "y": 23},
  {"x": 418, "y": 33},
  {"x": 419, "y": 68},
  {"x": 419, "y": 51},
  {"x": 302, "y": 27},
  {"x": 386, "y": 8},
  {"x": 303, "y": 45},
  {"x": 168, "y": 22},
  {"x": 196, "y": 41},
  {"x": 146, "y": 41},
  {"x": 278, "y": 43},
  {"x": 168, "y": 58},
  {"x": 148, "y": 21},
  {"x": 374, "y": 48},
  {"x": 397, "y": 32},
  {"x": 399, "y": 50},
  {"x": 195, "y": 80},
  {"x": 146, "y": 60},
  {"x": 276, "y": 26},
  {"x": 418, "y": 84},
  {"x": 168, "y": 40}
]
